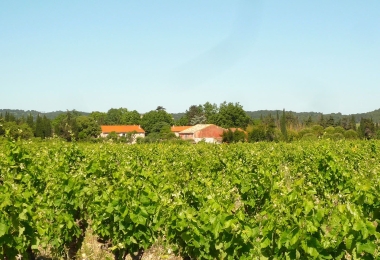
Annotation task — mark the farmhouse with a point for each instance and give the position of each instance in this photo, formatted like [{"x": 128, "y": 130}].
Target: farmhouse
[
  {"x": 239, "y": 129},
  {"x": 207, "y": 132},
  {"x": 123, "y": 130},
  {"x": 233, "y": 129},
  {"x": 177, "y": 129}
]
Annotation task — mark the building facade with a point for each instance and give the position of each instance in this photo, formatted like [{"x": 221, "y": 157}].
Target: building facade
[
  {"x": 123, "y": 130},
  {"x": 203, "y": 132}
]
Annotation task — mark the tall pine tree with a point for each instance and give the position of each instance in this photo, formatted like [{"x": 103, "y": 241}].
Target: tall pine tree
[
  {"x": 47, "y": 128},
  {"x": 30, "y": 121},
  {"x": 283, "y": 125},
  {"x": 322, "y": 121},
  {"x": 353, "y": 123},
  {"x": 39, "y": 131},
  {"x": 309, "y": 121}
]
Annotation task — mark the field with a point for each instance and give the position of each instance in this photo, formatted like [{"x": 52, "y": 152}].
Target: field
[{"x": 301, "y": 200}]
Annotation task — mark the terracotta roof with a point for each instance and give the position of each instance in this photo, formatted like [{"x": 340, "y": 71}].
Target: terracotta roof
[
  {"x": 121, "y": 128},
  {"x": 179, "y": 128},
  {"x": 195, "y": 128},
  {"x": 239, "y": 129}
]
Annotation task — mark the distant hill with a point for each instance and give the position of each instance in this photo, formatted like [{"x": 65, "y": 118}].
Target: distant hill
[
  {"x": 177, "y": 116},
  {"x": 50, "y": 115},
  {"x": 302, "y": 116}
]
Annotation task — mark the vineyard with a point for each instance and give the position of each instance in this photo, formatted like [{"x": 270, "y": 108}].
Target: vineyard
[{"x": 301, "y": 200}]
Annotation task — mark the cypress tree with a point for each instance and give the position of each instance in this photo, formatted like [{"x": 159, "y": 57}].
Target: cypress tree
[
  {"x": 330, "y": 121},
  {"x": 9, "y": 117},
  {"x": 39, "y": 132},
  {"x": 309, "y": 121},
  {"x": 47, "y": 128},
  {"x": 353, "y": 123},
  {"x": 322, "y": 121},
  {"x": 277, "y": 119},
  {"x": 366, "y": 128},
  {"x": 283, "y": 125},
  {"x": 30, "y": 121},
  {"x": 21, "y": 120}
]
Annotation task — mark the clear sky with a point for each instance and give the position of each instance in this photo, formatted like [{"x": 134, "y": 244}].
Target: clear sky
[{"x": 321, "y": 56}]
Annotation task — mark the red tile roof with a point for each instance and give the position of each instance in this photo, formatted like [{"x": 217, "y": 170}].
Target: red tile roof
[
  {"x": 179, "y": 128},
  {"x": 194, "y": 128},
  {"x": 239, "y": 129},
  {"x": 122, "y": 128}
]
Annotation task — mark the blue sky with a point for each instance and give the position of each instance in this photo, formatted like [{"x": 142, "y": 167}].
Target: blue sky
[{"x": 321, "y": 56}]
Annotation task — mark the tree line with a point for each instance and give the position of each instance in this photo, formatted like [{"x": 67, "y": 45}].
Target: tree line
[{"x": 281, "y": 126}]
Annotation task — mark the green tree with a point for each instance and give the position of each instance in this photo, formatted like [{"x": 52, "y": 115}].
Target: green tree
[
  {"x": 184, "y": 120},
  {"x": 87, "y": 127},
  {"x": 30, "y": 121},
  {"x": 351, "y": 134},
  {"x": 278, "y": 119},
  {"x": 283, "y": 126},
  {"x": 198, "y": 120},
  {"x": 230, "y": 136},
  {"x": 210, "y": 111},
  {"x": 99, "y": 117},
  {"x": 317, "y": 130},
  {"x": 378, "y": 134},
  {"x": 232, "y": 115},
  {"x": 113, "y": 136},
  {"x": 9, "y": 117},
  {"x": 47, "y": 127},
  {"x": 43, "y": 127},
  {"x": 330, "y": 121},
  {"x": 21, "y": 120},
  {"x": 130, "y": 117},
  {"x": 39, "y": 130},
  {"x": 65, "y": 125},
  {"x": 195, "y": 115},
  {"x": 257, "y": 133},
  {"x": 322, "y": 121},
  {"x": 16, "y": 131},
  {"x": 159, "y": 126},
  {"x": 309, "y": 122},
  {"x": 113, "y": 117},
  {"x": 291, "y": 119},
  {"x": 119, "y": 116},
  {"x": 166, "y": 133},
  {"x": 270, "y": 127},
  {"x": 2, "y": 129},
  {"x": 353, "y": 123},
  {"x": 345, "y": 123},
  {"x": 366, "y": 128},
  {"x": 154, "y": 120}
]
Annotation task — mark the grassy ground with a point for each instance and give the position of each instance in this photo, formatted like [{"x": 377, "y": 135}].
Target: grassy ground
[{"x": 93, "y": 250}]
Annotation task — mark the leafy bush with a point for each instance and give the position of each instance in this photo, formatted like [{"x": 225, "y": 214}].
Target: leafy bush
[
  {"x": 351, "y": 134},
  {"x": 329, "y": 130},
  {"x": 310, "y": 137},
  {"x": 318, "y": 130},
  {"x": 305, "y": 131},
  {"x": 340, "y": 129},
  {"x": 337, "y": 136}
]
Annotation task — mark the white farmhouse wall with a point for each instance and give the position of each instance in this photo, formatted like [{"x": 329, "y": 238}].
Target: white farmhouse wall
[{"x": 207, "y": 140}]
